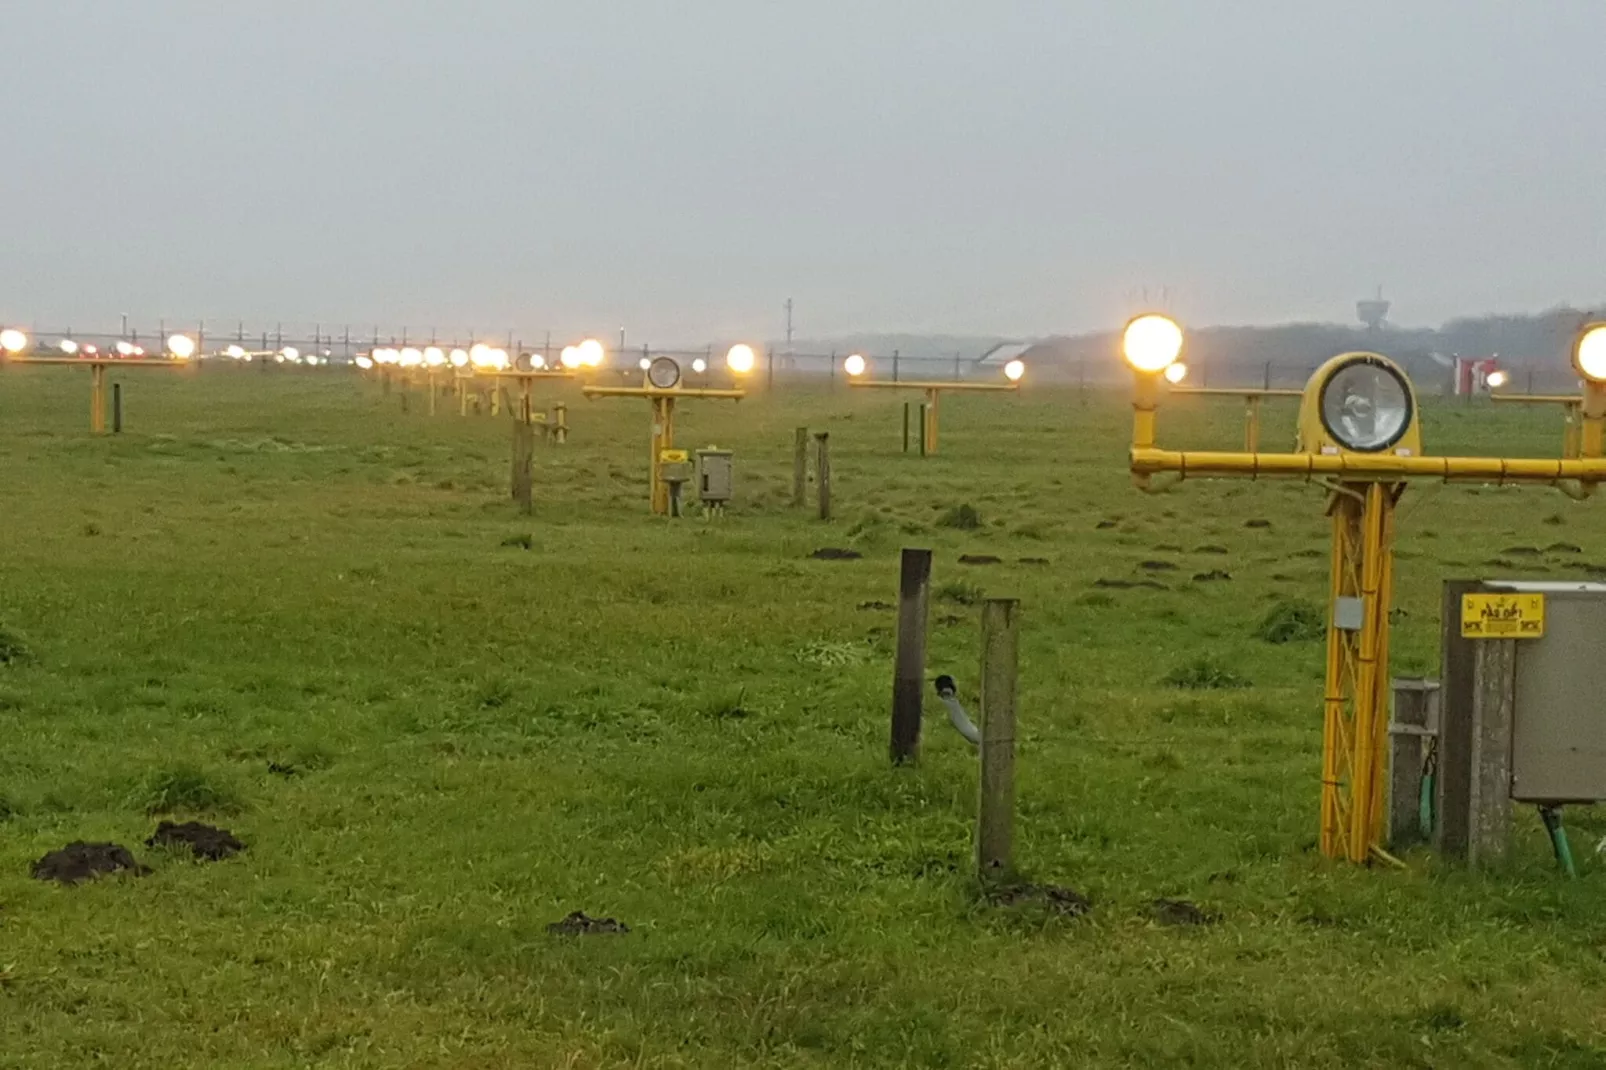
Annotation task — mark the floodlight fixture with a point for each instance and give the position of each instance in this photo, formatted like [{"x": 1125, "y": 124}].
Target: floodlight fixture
[
  {"x": 663, "y": 373},
  {"x": 1151, "y": 342}
]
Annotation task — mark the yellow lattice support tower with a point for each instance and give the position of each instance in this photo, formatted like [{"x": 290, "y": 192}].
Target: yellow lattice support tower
[{"x": 1359, "y": 436}]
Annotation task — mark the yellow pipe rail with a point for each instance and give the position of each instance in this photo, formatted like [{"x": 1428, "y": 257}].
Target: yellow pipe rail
[
  {"x": 1252, "y": 397},
  {"x": 933, "y": 389},
  {"x": 97, "y": 376},
  {"x": 1147, "y": 461}
]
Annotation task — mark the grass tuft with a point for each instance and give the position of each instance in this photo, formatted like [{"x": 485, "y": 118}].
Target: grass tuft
[
  {"x": 187, "y": 788},
  {"x": 1291, "y": 621},
  {"x": 14, "y": 649},
  {"x": 961, "y": 593},
  {"x": 960, "y": 518},
  {"x": 1205, "y": 673}
]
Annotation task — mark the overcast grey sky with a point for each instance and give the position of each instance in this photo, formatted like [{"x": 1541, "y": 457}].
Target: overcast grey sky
[{"x": 681, "y": 168}]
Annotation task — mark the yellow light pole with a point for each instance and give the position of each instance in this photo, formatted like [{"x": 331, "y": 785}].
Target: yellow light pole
[
  {"x": 856, "y": 366},
  {"x": 1359, "y": 434},
  {"x": 661, "y": 387},
  {"x": 15, "y": 347}
]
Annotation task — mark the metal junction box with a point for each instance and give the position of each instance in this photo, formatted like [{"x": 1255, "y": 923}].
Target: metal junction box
[
  {"x": 1558, "y": 710},
  {"x": 715, "y": 476}
]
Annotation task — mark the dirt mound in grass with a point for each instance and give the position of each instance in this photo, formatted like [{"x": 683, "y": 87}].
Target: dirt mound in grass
[
  {"x": 82, "y": 861},
  {"x": 1181, "y": 912},
  {"x": 203, "y": 841},
  {"x": 1055, "y": 898},
  {"x": 581, "y": 924}
]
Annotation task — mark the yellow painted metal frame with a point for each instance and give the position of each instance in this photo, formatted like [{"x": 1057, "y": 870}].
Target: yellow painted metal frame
[
  {"x": 663, "y": 425},
  {"x": 1572, "y": 416},
  {"x": 97, "y": 376},
  {"x": 933, "y": 389},
  {"x": 1364, "y": 490},
  {"x": 1252, "y": 397}
]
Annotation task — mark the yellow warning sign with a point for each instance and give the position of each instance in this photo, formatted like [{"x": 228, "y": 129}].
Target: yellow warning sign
[{"x": 1502, "y": 616}]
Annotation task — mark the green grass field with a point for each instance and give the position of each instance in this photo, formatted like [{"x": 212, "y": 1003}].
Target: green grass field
[{"x": 478, "y": 722}]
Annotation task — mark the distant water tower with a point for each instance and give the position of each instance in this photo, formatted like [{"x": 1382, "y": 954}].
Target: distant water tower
[{"x": 1373, "y": 311}]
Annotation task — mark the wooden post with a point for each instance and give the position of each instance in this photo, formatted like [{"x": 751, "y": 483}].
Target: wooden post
[
  {"x": 930, "y": 424},
  {"x": 800, "y": 468},
  {"x": 560, "y": 433},
  {"x": 906, "y": 427},
  {"x": 995, "y": 818},
  {"x": 97, "y": 398},
  {"x": 117, "y": 408},
  {"x": 1494, "y": 680},
  {"x": 909, "y": 669},
  {"x": 432, "y": 393},
  {"x": 523, "y": 457},
  {"x": 923, "y": 414},
  {"x": 822, "y": 471},
  {"x": 1411, "y": 732}
]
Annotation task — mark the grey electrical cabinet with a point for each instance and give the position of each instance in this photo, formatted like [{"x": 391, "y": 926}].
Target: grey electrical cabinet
[
  {"x": 715, "y": 476},
  {"x": 1558, "y": 710}
]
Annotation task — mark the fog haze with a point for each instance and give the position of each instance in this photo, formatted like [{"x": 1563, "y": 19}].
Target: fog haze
[{"x": 1011, "y": 168}]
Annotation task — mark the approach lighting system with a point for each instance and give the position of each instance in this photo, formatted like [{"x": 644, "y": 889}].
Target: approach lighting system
[
  {"x": 411, "y": 357},
  {"x": 236, "y": 353},
  {"x": 1364, "y": 404},
  {"x": 740, "y": 359},
  {"x": 479, "y": 355},
  {"x": 365, "y": 363},
  {"x": 570, "y": 357},
  {"x": 1176, "y": 371},
  {"x": 13, "y": 341},
  {"x": 1497, "y": 379},
  {"x": 434, "y": 356},
  {"x": 498, "y": 358},
  {"x": 1151, "y": 342},
  {"x": 1589, "y": 354},
  {"x": 854, "y": 365},
  {"x": 181, "y": 346},
  {"x": 591, "y": 353},
  {"x": 291, "y": 353},
  {"x": 1014, "y": 370},
  {"x": 68, "y": 346},
  {"x": 459, "y": 358},
  {"x": 125, "y": 349},
  {"x": 663, "y": 373},
  {"x": 644, "y": 363},
  {"x": 537, "y": 362},
  {"x": 699, "y": 365}
]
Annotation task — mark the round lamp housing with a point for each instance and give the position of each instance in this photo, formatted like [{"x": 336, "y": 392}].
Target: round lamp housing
[
  {"x": 663, "y": 373},
  {"x": 1359, "y": 403}
]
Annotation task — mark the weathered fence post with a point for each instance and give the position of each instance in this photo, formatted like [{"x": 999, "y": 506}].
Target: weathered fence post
[
  {"x": 523, "y": 457},
  {"x": 117, "y": 408},
  {"x": 909, "y": 668},
  {"x": 1000, "y": 658},
  {"x": 822, "y": 471},
  {"x": 1494, "y": 678},
  {"x": 800, "y": 468}
]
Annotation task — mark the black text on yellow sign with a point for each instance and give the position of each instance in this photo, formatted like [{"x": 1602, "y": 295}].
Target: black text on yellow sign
[{"x": 1502, "y": 616}]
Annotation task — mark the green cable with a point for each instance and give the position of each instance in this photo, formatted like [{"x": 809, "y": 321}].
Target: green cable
[{"x": 1551, "y": 816}]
